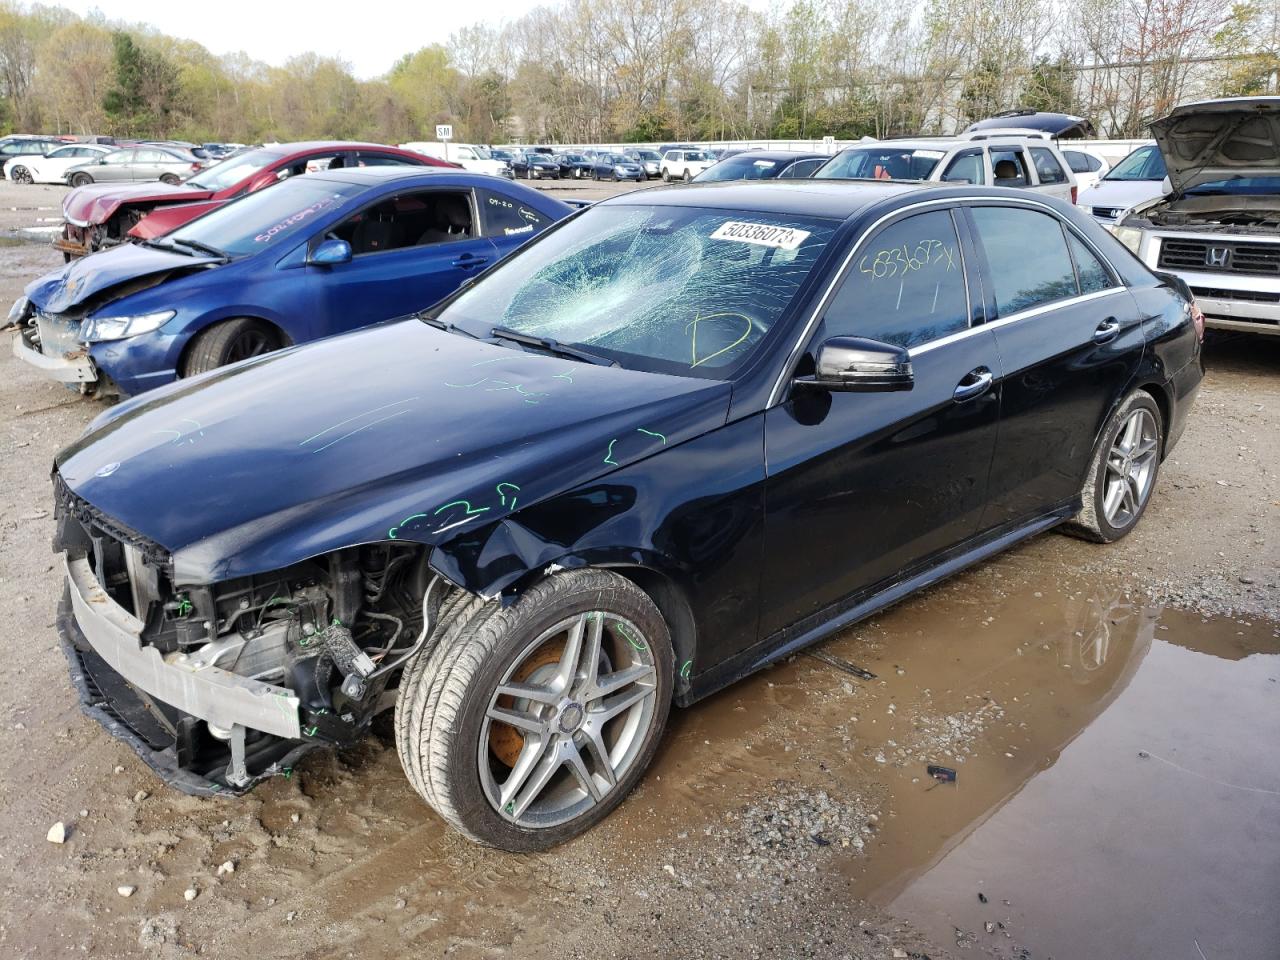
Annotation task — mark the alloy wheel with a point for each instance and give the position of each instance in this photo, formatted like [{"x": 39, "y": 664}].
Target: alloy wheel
[
  {"x": 568, "y": 720},
  {"x": 250, "y": 343},
  {"x": 1131, "y": 469}
]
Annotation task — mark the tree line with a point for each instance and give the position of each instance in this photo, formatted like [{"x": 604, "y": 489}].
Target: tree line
[{"x": 650, "y": 70}]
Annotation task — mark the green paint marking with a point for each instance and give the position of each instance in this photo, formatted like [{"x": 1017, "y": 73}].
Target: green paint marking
[
  {"x": 461, "y": 385},
  {"x": 304, "y": 642},
  {"x": 481, "y": 363},
  {"x": 684, "y": 670},
  {"x": 391, "y": 534},
  {"x": 608, "y": 457},
  {"x": 653, "y": 433},
  {"x": 288, "y": 773},
  {"x": 310, "y": 731},
  {"x": 630, "y": 639},
  {"x": 503, "y": 497},
  {"x": 184, "y": 606},
  {"x": 471, "y": 511},
  {"x": 563, "y": 376}
]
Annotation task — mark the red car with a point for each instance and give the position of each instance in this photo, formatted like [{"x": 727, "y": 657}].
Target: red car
[{"x": 103, "y": 215}]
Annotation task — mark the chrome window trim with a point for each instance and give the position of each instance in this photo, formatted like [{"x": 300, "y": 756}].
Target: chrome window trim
[{"x": 955, "y": 203}]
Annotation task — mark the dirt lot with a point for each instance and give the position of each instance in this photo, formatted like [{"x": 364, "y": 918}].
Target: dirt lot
[{"x": 1111, "y": 713}]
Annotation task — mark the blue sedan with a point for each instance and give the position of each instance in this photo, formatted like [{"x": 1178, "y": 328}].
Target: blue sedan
[
  {"x": 311, "y": 257},
  {"x": 614, "y": 166}
]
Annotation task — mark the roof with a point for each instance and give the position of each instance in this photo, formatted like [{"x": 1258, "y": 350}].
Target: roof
[
  {"x": 833, "y": 199},
  {"x": 371, "y": 176},
  {"x": 780, "y": 155},
  {"x": 302, "y": 146}
]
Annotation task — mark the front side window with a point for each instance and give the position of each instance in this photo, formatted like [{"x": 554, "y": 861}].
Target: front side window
[
  {"x": 883, "y": 162},
  {"x": 1048, "y": 169},
  {"x": 679, "y": 290},
  {"x": 965, "y": 167},
  {"x": 233, "y": 170},
  {"x": 123, "y": 156},
  {"x": 408, "y": 220},
  {"x": 741, "y": 167},
  {"x": 802, "y": 169},
  {"x": 1027, "y": 255},
  {"x": 906, "y": 285}
]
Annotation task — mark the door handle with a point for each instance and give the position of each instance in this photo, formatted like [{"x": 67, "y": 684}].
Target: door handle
[
  {"x": 975, "y": 383},
  {"x": 1107, "y": 330},
  {"x": 469, "y": 260}
]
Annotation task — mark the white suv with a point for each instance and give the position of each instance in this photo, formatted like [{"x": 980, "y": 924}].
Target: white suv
[
  {"x": 1218, "y": 227},
  {"x": 1024, "y": 162},
  {"x": 684, "y": 164}
]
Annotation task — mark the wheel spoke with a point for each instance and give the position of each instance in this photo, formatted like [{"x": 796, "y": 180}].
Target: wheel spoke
[
  {"x": 1145, "y": 449},
  {"x": 1132, "y": 432},
  {"x": 519, "y": 719},
  {"x": 1115, "y": 464},
  {"x": 572, "y": 654},
  {"x": 529, "y": 691},
  {"x": 519, "y": 792},
  {"x": 573, "y": 759},
  {"x": 611, "y": 683},
  {"x": 599, "y": 752},
  {"x": 1115, "y": 496},
  {"x": 606, "y": 709}
]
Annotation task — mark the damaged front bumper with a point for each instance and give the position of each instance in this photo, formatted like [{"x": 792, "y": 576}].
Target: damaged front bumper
[
  {"x": 66, "y": 361},
  {"x": 162, "y": 704}
]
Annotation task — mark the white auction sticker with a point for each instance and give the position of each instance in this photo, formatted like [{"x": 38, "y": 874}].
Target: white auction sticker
[{"x": 783, "y": 238}]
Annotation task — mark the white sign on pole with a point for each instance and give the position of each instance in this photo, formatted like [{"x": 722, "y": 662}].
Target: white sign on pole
[
  {"x": 444, "y": 131},
  {"x": 830, "y": 144}
]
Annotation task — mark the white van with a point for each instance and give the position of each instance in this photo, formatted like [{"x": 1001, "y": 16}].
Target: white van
[{"x": 469, "y": 156}]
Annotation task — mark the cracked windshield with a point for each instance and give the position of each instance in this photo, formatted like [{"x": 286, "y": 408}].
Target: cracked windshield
[{"x": 674, "y": 290}]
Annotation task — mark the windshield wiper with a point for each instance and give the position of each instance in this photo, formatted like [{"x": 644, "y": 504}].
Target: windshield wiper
[
  {"x": 203, "y": 248},
  {"x": 551, "y": 346},
  {"x": 433, "y": 321}
]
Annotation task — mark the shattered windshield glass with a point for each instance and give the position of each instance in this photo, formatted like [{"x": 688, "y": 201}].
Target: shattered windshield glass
[{"x": 676, "y": 290}]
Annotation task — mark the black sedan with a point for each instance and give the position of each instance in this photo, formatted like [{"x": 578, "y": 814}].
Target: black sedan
[
  {"x": 763, "y": 165},
  {"x": 536, "y": 166},
  {"x": 678, "y": 436},
  {"x": 575, "y": 165}
]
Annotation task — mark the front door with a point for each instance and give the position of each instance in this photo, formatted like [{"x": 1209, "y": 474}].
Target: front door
[
  {"x": 408, "y": 251},
  {"x": 1070, "y": 337},
  {"x": 863, "y": 486}
]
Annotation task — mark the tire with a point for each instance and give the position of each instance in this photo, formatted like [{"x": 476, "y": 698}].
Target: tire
[
  {"x": 1121, "y": 463},
  {"x": 229, "y": 342},
  {"x": 666, "y": 175},
  {"x": 81, "y": 180},
  {"x": 170, "y": 179},
  {"x": 20, "y": 175},
  {"x": 687, "y": 176},
  {"x": 459, "y": 757}
]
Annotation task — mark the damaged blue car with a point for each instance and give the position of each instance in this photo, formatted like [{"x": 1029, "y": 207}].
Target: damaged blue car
[
  {"x": 313, "y": 256},
  {"x": 680, "y": 435}
]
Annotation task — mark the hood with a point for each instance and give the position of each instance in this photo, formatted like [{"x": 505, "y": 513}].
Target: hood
[
  {"x": 168, "y": 218},
  {"x": 1120, "y": 194},
  {"x": 98, "y": 202},
  {"x": 89, "y": 282},
  {"x": 1219, "y": 139},
  {"x": 398, "y": 431}
]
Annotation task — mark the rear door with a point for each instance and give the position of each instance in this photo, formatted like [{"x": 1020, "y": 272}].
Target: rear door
[
  {"x": 1051, "y": 176},
  {"x": 1070, "y": 339},
  {"x": 117, "y": 169},
  {"x": 862, "y": 486}
]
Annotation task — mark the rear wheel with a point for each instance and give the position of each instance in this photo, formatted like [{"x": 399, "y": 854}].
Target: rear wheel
[
  {"x": 170, "y": 179},
  {"x": 687, "y": 176},
  {"x": 229, "y": 342},
  {"x": 526, "y": 725},
  {"x": 1123, "y": 472},
  {"x": 81, "y": 180},
  {"x": 21, "y": 175}
]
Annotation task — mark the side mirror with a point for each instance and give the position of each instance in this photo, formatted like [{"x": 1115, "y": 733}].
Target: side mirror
[
  {"x": 330, "y": 252},
  {"x": 1166, "y": 186},
  {"x": 857, "y": 365},
  {"x": 283, "y": 174}
]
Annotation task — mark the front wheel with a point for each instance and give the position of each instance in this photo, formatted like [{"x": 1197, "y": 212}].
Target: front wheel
[
  {"x": 81, "y": 180},
  {"x": 229, "y": 342},
  {"x": 21, "y": 175},
  {"x": 666, "y": 175},
  {"x": 170, "y": 179},
  {"x": 529, "y": 723},
  {"x": 1122, "y": 473},
  {"x": 687, "y": 176}
]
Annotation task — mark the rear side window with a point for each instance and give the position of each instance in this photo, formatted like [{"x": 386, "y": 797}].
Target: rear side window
[
  {"x": 1082, "y": 162},
  {"x": 1028, "y": 258},
  {"x": 503, "y": 216},
  {"x": 965, "y": 168},
  {"x": 1009, "y": 168},
  {"x": 906, "y": 287},
  {"x": 1048, "y": 169},
  {"x": 802, "y": 168},
  {"x": 1090, "y": 270}
]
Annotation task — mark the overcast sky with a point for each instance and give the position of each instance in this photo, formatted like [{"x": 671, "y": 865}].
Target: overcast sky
[{"x": 370, "y": 36}]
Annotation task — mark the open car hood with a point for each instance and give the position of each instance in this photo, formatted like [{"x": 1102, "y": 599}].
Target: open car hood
[
  {"x": 1220, "y": 139},
  {"x": 88, "y": 282},
  {"x": 98, "y": 202},
  {"x": 398, "y": 431}
]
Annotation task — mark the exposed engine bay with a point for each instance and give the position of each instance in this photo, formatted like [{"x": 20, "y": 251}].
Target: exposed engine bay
[
  {"x": 1236, "y": 213},
  {"x": 328, "y": 635}
]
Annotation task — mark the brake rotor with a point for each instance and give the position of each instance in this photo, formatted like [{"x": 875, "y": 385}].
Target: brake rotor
[{"x": 505, "y": 741}]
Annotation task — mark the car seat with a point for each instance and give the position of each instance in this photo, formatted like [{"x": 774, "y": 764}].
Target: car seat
[
  {"x": 1006, "y": 174},
  {"x": 452, "y": 220}
]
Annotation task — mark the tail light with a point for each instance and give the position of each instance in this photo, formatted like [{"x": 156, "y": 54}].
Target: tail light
[
  {"x": 195, "y": 166},
  {"x": 1075, "y": 192}
]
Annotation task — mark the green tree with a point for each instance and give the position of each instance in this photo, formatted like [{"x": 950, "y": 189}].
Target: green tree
[
  {"x": 141, "y": 99},
  {"x": 1050, "y": 86}
]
